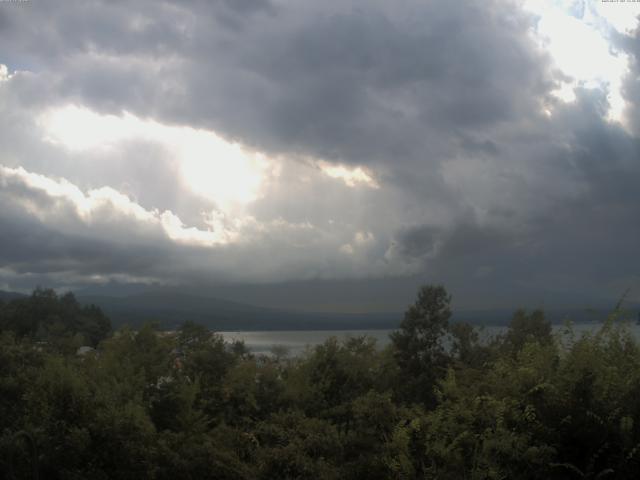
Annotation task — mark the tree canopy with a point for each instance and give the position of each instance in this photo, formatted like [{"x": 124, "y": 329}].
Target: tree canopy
[{"x": 436, "y": 403}]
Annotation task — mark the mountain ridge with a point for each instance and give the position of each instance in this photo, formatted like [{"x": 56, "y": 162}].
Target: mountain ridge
[{"x": 169, "y": 309}]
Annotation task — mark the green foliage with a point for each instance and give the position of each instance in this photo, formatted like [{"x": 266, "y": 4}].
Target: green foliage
[
  {"x": 56, "y": 320},
  {"x": 161, "y": 405},
  {"x": 419, "y": 351},
  {"x": 526, "y": 328},
  {"x": 293, "y": 446}
]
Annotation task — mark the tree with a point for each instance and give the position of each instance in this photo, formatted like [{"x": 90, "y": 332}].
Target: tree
[
  {"x": 60, "y": 321},
  {"x": 418, "y": 344},
  {"x": 465, "y": 344},
  {"x": 524, "y": 328}
]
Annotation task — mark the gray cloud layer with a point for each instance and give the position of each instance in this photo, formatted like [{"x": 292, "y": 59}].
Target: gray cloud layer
[{"x": 444, "y": 104}]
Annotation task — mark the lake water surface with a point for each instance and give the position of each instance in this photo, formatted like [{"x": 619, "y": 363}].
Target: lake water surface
[{"x": 296, "y": 341}]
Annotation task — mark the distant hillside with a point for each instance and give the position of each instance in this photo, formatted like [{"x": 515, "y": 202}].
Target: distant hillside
[
  {"x": 172, "y": 309},
  {"x": 554, "y": 315},
  {"x": 7, "y": 296}
]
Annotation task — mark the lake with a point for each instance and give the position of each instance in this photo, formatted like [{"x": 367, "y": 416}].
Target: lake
[{"x": 296, "y": 341}]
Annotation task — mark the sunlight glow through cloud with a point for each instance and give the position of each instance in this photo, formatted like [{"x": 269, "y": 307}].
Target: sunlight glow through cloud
[
  {"x": 350, "y": 176},
  {"x": 577, "y": 35},
  {"x": 221, "y": 171},
  {"x": 99, "y": 205},
  {"x": 623, "y": 16},
  {"x": 4, "y": 73}
]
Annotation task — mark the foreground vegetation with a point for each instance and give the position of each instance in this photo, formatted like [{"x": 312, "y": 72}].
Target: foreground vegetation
[{"x": 525, "y": 405}]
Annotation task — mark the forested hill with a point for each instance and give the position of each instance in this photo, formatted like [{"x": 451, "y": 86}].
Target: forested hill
[
  {"x": 7, "y": 296},
  {"x": 170, "y": 309}
]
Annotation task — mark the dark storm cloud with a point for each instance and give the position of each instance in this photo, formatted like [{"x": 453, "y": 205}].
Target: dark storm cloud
[
  {"x": 30, "y": 246},
  {"x": 585, "y": 241},
  {"x": 354, "y": 84},
  {"x": 52, "y": 227},
  {"x": 444, "y": 102},
  {"x": 367, "y": 85},
  {"x": 419, "y": 241}
]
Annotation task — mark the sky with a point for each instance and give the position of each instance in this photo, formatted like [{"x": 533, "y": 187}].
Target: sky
[{"x": 322, "y": 155}]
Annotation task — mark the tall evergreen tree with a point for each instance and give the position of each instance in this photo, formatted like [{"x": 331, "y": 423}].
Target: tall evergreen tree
[{"x": 418, "y": 344}]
